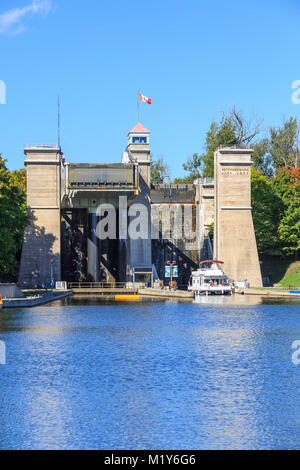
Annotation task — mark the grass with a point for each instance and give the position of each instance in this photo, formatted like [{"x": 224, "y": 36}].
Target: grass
[
  {"x": 35, "y": 292},
  {"x": 292, "y": 276},
  {"x": 275, "y": 268}
]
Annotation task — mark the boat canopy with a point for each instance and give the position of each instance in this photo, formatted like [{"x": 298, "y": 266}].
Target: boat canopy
[{"x": 212, "y": 261}]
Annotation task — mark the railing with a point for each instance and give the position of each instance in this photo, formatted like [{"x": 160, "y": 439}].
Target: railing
[
  {"x": 204, "y": 180},
  {"x": 96, "y": 285},
  {"x": 28, "y": 146}
]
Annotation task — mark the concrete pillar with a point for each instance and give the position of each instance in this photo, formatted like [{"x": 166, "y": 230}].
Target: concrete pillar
[
  {"x": 139, "y": 250},
  {"x": 234, "y": 237},
  {"x": 42, "y": 236},
  {"x": 93, "y": 249}
]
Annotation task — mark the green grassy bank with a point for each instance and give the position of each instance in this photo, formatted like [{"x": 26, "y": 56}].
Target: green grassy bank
[{"x": 282, "y": 272}]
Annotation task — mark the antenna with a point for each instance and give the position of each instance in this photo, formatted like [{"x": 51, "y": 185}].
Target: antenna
[{"x": 58, "y": 122}]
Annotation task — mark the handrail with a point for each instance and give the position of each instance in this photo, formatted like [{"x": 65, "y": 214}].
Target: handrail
[{"x": 95, "y": 285}]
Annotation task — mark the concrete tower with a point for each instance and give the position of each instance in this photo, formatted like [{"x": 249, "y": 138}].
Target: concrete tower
[
  {"x": 138, "y": 152},
  {"x": 234, "y": 237},
  {"x": 138, "y": 149},
  {"x": 41, "y": 246}
]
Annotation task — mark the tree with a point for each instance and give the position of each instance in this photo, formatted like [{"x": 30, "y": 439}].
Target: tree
[
  {"x": 185, "y": 180},
  {"x": 267, "y": 209},
  {"x": 287, "y": 187},
  {"x": 18, "y": 178},
  {"x": 13, "y": 217},
  {"x": 245, "y": 131},
  {"x": 159, "y": 170},
  {"x": 284, "y": 142},
  {"x": 203, "y": 165},
  {"x": 261, "y": 158},
  {"x": 193, "y": 166},
  {"x": 232, "y": 130},
  {"x": 219, "y": 134}
]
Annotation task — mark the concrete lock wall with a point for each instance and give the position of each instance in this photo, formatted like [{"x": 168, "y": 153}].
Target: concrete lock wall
[
  {"x": 234, "y": 237},
  {"x": 62, "y": 211},
  {"x": 11, "y": 291},
  {"x": 42, "y": 236},
  {"x": 174, "y": 214}
]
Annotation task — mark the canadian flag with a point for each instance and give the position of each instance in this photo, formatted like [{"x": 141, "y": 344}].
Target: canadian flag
[{"x": 144, "y": 98}]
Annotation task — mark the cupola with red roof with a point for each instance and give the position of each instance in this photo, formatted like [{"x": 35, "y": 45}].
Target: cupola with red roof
[
  {"x": 138, "y": 135},
  {"x": 138, "y": 150}
]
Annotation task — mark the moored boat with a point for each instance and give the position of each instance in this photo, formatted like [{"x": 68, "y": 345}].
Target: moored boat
[{"x": 209, "y": 279}]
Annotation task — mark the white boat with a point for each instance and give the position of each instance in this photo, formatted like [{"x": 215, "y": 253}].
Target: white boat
[{"x": 209, "y": 279}]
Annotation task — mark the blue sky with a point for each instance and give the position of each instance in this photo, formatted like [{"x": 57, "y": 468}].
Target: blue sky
[{"x": 194, "y": 59}]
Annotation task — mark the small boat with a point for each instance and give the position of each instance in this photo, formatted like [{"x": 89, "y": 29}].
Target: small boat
[
  {"x": 1, "y": 302},
  {"x": 209, "y": 279}
]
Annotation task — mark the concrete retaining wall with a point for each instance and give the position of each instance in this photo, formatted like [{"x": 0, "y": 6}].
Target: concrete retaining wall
[
  {"x": 10, "y": 291},
  {"x": 167, "y": 293}
]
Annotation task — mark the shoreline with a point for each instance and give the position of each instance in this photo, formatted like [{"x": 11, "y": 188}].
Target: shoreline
[
  {"x": 269, "y": 292},
  {"x": 29, "y": 302}
]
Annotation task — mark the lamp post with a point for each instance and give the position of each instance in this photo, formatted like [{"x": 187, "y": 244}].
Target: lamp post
[
  {"x": 171, "y": 264},
  {"x": 51, "y": 273}
]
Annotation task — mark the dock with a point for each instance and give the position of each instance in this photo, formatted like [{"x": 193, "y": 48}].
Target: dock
[
  {"x": 103, "y": 288},
  {"x": 269, "y": 291},
  {"x": 166, "y": 293},
  {"x": 34, "y": 301}
]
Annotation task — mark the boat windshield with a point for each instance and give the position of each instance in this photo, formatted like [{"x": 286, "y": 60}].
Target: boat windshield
[{"x": 216, "y": 281}]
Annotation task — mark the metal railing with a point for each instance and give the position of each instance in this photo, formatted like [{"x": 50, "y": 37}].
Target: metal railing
[{"x": 96, "y": 285}]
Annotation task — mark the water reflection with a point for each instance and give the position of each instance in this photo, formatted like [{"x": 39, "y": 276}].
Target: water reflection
[
  {"x": 239, "y": 299},
  {"x": 154, "y": 375}
]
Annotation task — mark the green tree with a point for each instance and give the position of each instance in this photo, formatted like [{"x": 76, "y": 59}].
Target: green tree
[
  {"x": 219, "y": 134},
  {"x": 203, "y": 165},
  {"x": 261, "y": 158},
  {"x": 267, "y": 209},
  {"x": 287, "y": 187},
  {"x": 159, "y": 170},
  {"x": 194, "y": 167},
  {"x": 232, "y": 129},
  {"x": 185, "y": 180},
  {"x": 13, "y": 217},
  {"x": 284, "y": 144}
]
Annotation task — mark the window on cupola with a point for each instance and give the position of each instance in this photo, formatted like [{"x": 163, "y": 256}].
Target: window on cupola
[{"x": 139, "y": 140}]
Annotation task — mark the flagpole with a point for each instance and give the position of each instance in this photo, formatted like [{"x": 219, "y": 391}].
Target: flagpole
[
  {"x": 138, "y": 105},
  {"x": 58, "y": 122}
]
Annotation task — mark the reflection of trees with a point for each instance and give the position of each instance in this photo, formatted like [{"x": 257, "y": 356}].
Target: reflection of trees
[{"x": 36, "y": 255}]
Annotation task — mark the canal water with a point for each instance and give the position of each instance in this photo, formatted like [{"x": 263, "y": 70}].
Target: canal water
[{"x": 151, "y": 375}]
